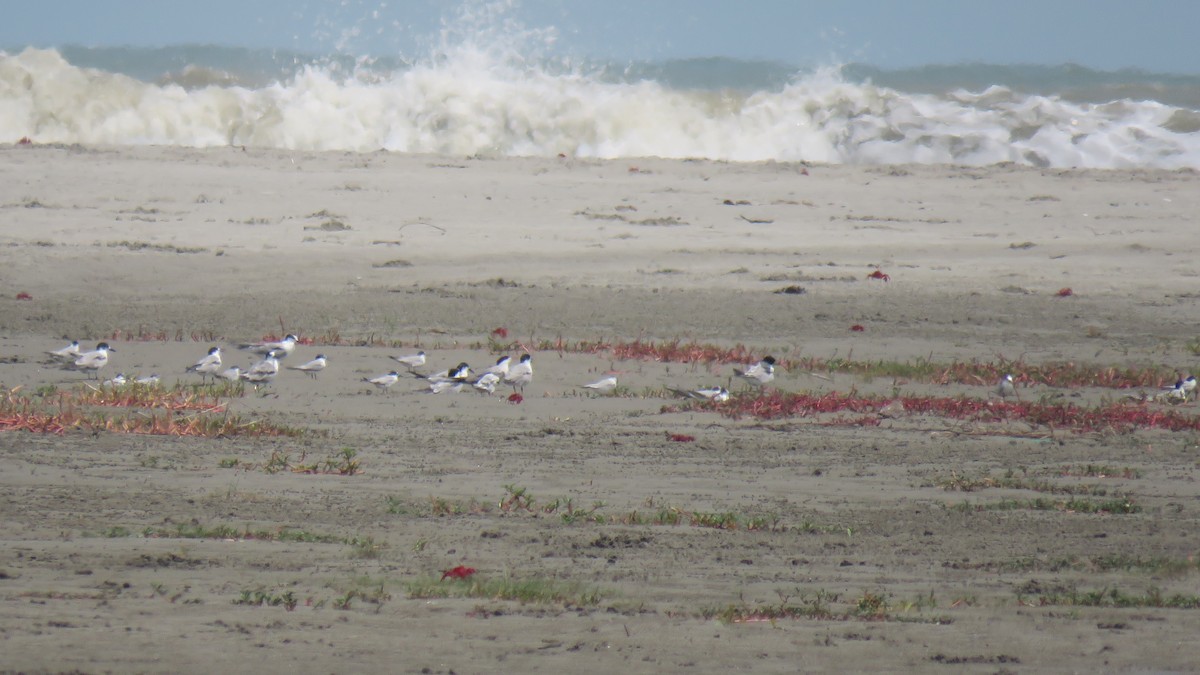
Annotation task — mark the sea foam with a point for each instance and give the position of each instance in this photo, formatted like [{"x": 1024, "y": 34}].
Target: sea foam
[{"x": 475, "y": 102}]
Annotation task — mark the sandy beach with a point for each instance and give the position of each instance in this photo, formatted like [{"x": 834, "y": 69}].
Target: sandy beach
[{"x": 670, "y": 537}]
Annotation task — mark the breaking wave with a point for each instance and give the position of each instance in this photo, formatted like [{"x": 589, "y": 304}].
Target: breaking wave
[{"x": 471, "y": 100}]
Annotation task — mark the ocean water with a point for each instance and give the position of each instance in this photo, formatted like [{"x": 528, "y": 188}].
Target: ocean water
[{"x": 494, "y": 98}]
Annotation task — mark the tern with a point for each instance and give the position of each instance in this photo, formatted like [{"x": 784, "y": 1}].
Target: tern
[
  {"x": 486, "y": 384},
  {"x": 521, "y": 374},
  {"x": 501, "y": 367},
  {"x": 459, "y": 373},
  {"x": 68, "y": 353},
  {"x": 1181, "y": 391},
  {"x": 714, "y": 394},
  {"x": 411, "y": 361},
  {"x": 94, "y": 360},
  {"x": 451, "y": 379},
  {"x": 209, "y": 364},
  {"x": 1005, "y": 387},
  {"x": 312, "y": 367},
  {"x": 383, "y": 382},
  {"x": 1184, "y": 387},
  {"x": 440, "y": 386},
  {"x": 285, "y": 346},
  {"x": 604, "y": 384},
  {"x": 264, "y": 371},
  {"x": 759, "y": 373}
]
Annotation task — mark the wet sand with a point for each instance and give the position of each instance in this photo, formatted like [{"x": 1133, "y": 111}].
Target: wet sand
[{"x": 370, "y": 256}]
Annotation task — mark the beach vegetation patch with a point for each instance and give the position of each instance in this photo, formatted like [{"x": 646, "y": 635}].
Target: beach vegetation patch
[
  {"x": 365, "y": 547},
  {"x": 1073, "y": 505},
  {"x": 1009, "y": 481},
  {"x": 197, "y": 530},
  {"x": 591, "y": 215},
  {"x": 263, "y": 598},
  {"x": 435, "y": 507},
  {"x": 331, "y": 225},
  {"x": 822, "y": 605},
  {"x": 663, "y": 221},
  {"x": 983, "y": 373},
  {"x": 1104, "y": 597},
  {"x": 804, "y": 277},
  {"x": 158, "y": 248},
  {"x": 363, "y": 589},
  {"x": 1158, "y": 566},
  {"x": 620, "y": 215},
  {"x": 344, "y": 462},
  {"x": 852, "y": 409},
  {"x": 145, "y": 410},
  {"x": 147, "y": 334},
  {"x": 652, "y": 513},
  {"x": 1094, "y": 471},
  {"x": 527, "y": 590},
  {"x": 1193, "y": 346}
]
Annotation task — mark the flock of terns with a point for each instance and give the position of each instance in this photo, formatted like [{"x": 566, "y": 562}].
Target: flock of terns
[
  {"x": 503, "y": 372},
  {"x": 1182, "y": 391}
]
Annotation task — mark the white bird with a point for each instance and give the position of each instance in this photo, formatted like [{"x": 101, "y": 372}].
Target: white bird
[
  {"x": 1005, "y": 387},
  {"x": 445, "y": 385},
  {"x": 94, "y": 360},
  {"x": 117, "y": 380},
  {"x": 411, "y": 361},
  {"x": 714, "y": 394},
  {"x": 233, "y": 374},
  {"x": 604, "y": 384},
  {"x": 1172, "y": 395},
  {"x": 758, "y": 374},
  {"x": 264, "y": 371},
  {"x": 501, "y": 367},
  {"x": 486, "y": 384},
  {"x": 460, "y": 373},
  {"x": 383, "y": 382},
  {"x": 1189, "y": 385},
  {"x": 521, "y": 374},
  {"x": 152, "y": 378},
  {"x": 451, "y": 379},
  {"x": 1184, "y": 387},
  {"x": 208, "y": 364},
  {"x": 1181, "y": 391},
  {"x": 68, "y": 353},
  {"x": 285, "y": 346},
  {"x": 312, "y": 367}
]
